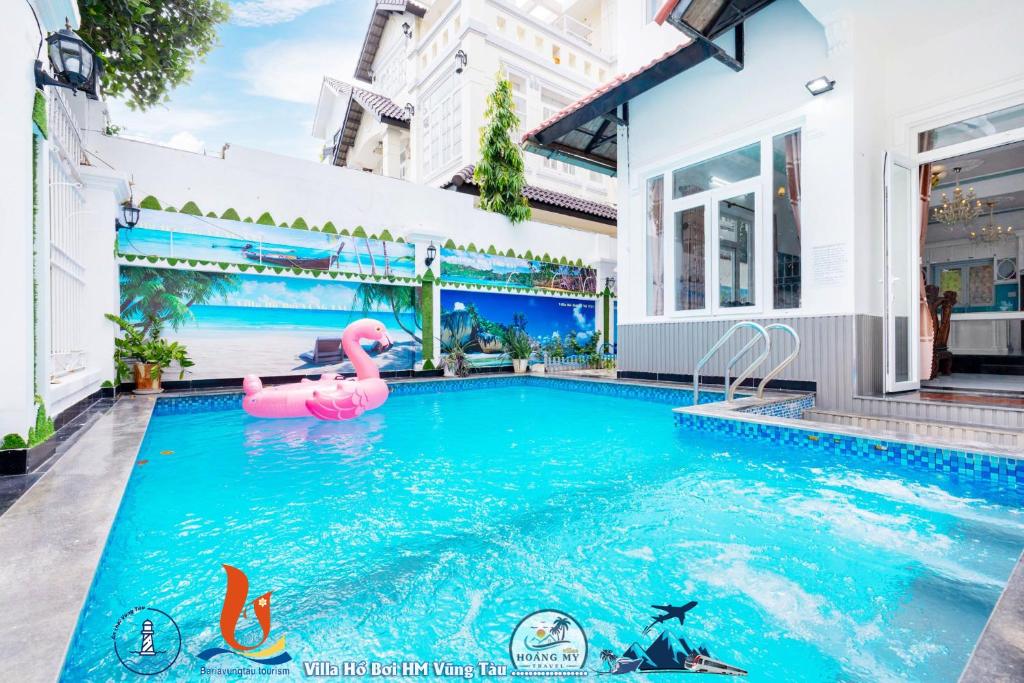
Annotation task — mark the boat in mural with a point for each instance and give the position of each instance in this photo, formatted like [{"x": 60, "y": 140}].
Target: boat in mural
[{"x": 284, "y": 258}]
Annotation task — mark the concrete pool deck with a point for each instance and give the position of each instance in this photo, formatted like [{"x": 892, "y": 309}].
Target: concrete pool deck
[{"x": 52, "y": 538}]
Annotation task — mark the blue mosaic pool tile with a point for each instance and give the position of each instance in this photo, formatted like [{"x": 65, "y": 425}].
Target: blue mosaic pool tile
[
  {"x": 199, "y": 403},
  {"x": 963, "y": 463},
  {"x": 675, "y": 396},
  {"x": 792, "y": 408}
]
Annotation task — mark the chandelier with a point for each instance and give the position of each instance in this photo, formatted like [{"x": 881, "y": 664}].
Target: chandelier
[
  {"x": 960, "y": 209},
  {"x": 991, "y": 232}
]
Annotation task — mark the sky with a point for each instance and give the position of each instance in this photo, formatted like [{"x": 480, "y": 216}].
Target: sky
[{"x": 258, "y": 88}]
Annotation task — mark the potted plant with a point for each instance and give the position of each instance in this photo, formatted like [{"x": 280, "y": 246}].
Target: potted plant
[
  {"x": 145, "y": 355},
  {"x": 519, "y": 347},
  {"x": 454, "y": 360}
]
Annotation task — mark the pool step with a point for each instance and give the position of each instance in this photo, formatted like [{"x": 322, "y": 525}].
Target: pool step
[{"x": 951, "y": 433}]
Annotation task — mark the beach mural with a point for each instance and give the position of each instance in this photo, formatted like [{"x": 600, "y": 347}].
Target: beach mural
[
  {"x": 186, "y": 236},
  {"x": 477, "y": 321},
  {"x": 236, "y": 324},
  {"x": 474, "y": 267}
]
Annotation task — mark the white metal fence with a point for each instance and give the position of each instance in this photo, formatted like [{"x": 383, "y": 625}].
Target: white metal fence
[{"x": 64, "y": 211}]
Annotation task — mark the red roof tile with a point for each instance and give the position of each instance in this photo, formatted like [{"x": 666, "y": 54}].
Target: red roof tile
[{"x": 541, "y": 195}]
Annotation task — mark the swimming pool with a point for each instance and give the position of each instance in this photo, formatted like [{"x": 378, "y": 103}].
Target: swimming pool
[{"x": 428, "y": 529}]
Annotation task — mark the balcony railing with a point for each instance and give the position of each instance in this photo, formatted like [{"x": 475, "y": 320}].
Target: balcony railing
[{"x": 575, "y": 28}]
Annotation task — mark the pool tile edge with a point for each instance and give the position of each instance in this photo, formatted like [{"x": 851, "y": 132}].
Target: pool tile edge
[{"x": 66, "y": 517}]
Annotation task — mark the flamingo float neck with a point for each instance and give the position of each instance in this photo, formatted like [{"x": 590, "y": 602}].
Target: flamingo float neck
[{"x": 364, "y": 366}]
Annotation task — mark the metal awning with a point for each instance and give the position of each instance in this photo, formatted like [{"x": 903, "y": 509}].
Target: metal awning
[{"x": 585, "y": 133}]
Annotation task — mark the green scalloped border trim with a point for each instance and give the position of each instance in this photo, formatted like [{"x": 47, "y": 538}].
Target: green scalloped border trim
[{"x": 191, "y": 208}]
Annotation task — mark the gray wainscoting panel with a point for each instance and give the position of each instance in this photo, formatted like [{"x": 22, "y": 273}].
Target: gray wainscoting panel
[{"x": 827, "y": 356}]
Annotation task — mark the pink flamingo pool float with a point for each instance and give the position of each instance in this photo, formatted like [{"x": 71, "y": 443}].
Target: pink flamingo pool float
[{"x": 331, "y": 397}]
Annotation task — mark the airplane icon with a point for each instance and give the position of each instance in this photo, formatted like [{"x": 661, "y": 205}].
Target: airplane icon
[{"x": 670, "y": 613}]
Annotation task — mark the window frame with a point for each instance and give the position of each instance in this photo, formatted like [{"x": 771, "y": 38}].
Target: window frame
[{"x": 764, "y": 245}]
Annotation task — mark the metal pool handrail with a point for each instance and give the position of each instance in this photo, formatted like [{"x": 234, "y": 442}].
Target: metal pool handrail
[
  {"x": 782, "y": 365},
  {"x": 763, "y": 334}
]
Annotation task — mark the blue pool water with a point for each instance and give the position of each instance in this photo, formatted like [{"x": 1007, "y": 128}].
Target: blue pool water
[{"x": 427, "y": 529}]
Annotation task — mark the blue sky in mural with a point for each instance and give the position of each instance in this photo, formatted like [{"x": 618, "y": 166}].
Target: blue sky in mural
[
  {"x": 259, "y": 87},
  {"x": 544, "y": 314},
  {"x": 267, "y": 291}
]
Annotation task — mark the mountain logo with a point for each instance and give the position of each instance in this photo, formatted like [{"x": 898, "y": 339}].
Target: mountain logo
[
  {"x": 668, "y": 652},
  {"x": 235, "y": 597},
  {"x": 550, "y": 641}
]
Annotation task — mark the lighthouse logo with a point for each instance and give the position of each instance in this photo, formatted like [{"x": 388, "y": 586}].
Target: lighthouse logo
[
  {"x": 236, "y": 608},
  {"x": 146, "y": 640}
]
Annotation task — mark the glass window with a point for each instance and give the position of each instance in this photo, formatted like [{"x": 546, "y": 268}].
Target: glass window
[
  {"x": 551, "y": 104},
  {"x": 655, "y": 246},
  {"x": 442, "y": 125},
  {"x": 688, "y": 247},
  {"x": 971, "y": 129},
  {"x": 719, "y": 171},
  {"x": 786, "y": 219},
  {"x": 736, "y": 251}
]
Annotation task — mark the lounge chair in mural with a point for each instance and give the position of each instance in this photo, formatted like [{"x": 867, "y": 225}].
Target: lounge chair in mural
[{"x": 325, "y": 350}]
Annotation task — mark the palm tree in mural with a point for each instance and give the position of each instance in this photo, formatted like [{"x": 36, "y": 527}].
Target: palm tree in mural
[
  {"x": 373, "y": 264},
  {"x": 559, "y": 628},
  {"x": 608, "y": 657},
  {"x": 401, "y": 301},
  {"x": 160, "y": 297}
]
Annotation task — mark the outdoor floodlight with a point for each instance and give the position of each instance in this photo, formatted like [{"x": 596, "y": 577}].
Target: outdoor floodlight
[{"x": 819, "y": 85}]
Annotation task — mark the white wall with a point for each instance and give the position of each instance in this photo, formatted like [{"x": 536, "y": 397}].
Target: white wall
[
  {"x": 252, "y": 182},
  {"x": 711, "y": 109},
  {"x": 18, "y": 52},
  {"x": 899, "y": 67},
  {"x": 641, "y": 41}
]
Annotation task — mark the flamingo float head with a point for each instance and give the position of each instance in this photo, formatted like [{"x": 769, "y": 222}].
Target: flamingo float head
[{"x": 368, "y": 328}]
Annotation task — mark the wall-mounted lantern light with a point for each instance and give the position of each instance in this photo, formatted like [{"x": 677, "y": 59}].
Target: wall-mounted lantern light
[
  {"x": 407, "y": 30},
  {"x": 819, "y": 85},
  {"x": 461, "y": 60},
  {"x": 609, "y": 284},
  {"x": 73, "y": 62},
  {"x": 410, "y": 109},
  {"x": 129, "y": 214},
  {"x": 431, "y": 255}
]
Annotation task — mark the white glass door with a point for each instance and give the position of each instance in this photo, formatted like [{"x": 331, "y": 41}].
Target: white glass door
[{"x": 902, "y": 279}]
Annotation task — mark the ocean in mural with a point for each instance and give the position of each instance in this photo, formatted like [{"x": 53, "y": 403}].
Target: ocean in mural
[
  {"x": 474, "y": 267},
  {"x": 477, "y": 321},
  {"x": 236, "y": 324},
  {"x": 184, "y": 236}
]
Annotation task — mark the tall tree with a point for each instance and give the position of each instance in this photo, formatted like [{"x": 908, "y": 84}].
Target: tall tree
[
  {"x": 500, "y": 171},
  {"x": 148, "y": 47}
]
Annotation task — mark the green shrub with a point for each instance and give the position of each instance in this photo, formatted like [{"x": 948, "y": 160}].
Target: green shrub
[
  {"x": 300, "y": 224},
  {"x": 265, "y": 219},
  {"x": 43, "y": 428},
  {"x": 150, "y": 202},
  {"x": 12, "y": 441},
  {"x": 231, "y": 215},
  {"x": 329, "y": 227},
  {"x": 359, "y": 232}
]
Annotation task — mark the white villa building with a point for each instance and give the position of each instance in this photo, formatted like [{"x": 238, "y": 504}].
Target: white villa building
[
  {"x": 786, "y": 161},
  {"x": 414, "y": 107}
]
